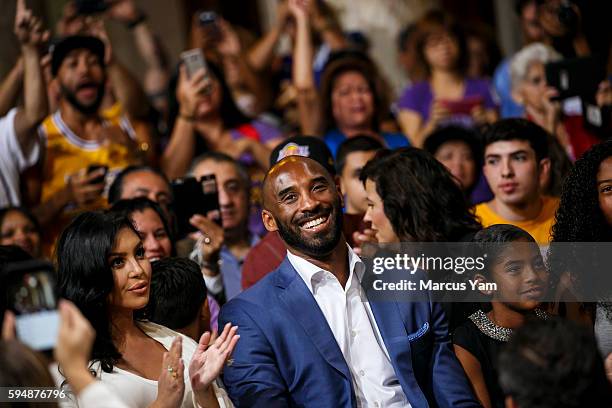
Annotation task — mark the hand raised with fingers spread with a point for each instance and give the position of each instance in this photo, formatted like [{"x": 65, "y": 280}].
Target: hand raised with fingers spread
[
  {"x": 171, "y": 384},
  {"x": 209, "y": 358}
]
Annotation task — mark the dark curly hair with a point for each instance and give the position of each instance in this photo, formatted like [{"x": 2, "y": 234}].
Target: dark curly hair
[
  {"x": 85, "y": 277},
  {"x": 420, "y": 197},
  {"x": 579, "y": 217}
]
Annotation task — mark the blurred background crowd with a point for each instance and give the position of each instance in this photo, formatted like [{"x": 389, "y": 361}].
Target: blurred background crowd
[{"x": 171, "y": 113}]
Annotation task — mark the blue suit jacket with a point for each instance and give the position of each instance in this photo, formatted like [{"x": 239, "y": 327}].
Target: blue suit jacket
[{"x": 288, "y": 356}]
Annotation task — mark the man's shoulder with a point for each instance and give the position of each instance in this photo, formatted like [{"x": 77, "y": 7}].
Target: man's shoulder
[{"x": 261, "y": 293}]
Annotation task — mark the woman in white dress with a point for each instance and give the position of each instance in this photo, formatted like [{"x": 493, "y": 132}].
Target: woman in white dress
[{"x": 102, "y": 268}]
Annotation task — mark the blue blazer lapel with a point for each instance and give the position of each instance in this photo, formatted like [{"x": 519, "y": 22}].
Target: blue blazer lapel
[
  {"x": 393, "y": 331},
  {"x": 304, "y": 308}
]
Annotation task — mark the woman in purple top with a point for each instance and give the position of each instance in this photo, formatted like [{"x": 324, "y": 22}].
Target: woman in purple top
[{"x": 447, "y": 96}]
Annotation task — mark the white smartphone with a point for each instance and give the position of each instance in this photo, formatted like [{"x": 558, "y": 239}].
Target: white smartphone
[
  {"x": 30, "y": 293},
  {"x": 194, "y": 61}
]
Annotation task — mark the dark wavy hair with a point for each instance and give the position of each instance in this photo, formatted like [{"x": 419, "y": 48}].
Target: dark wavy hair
[
  {"x": 127, "y": 207},
  {"x": 579, "y": 217},
  {"x": 85, "y": 277},
  {"x": 420, "y": 197}
]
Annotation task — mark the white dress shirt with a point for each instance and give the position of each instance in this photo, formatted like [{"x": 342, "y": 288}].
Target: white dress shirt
[{"x": 350, "y": 319}]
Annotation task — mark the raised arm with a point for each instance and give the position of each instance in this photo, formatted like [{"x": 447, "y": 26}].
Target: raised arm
[
  {"x": 260, "y": 55},
  {"x": 125, "y": 87},
  {"x": 303, "y": 76},
  {"x": 10, "y": 87},
  {"x": 156, "y": 75},
  {"x": 30, "y": 33},
  {"x": 180, "y": 150}
]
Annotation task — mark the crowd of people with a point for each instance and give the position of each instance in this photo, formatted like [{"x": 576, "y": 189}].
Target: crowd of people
[{"x": 256, "y": 298}]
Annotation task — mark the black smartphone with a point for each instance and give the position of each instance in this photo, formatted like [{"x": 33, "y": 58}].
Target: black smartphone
[
  {"x": 101, "y": 178},
  {"x": 211, "y": 197},
  {"x": 575, "y": 77},
  {"x": 29, "y": 291},
  {"x": 208, "y": 21},
  {"x": 207, "y": 18},
  {"x": 89, "y": 7}
]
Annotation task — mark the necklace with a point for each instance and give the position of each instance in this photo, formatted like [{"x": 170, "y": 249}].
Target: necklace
[{"x": 485, "y": 325}]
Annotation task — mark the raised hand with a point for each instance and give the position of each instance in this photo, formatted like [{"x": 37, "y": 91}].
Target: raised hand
[
  {"x": 74, "y": 340},
  {"x": 229, "y": 43},
  {"x": 208, "y": 359},
  {"x": 82, "y": 188},
  {"x": 124, "y": 11},
  {"x": 189, "y": 90},
  {"x": 28, "y": 28},
  {"x": 299, "y": 9},
  {"x": 171, "y": 384}
]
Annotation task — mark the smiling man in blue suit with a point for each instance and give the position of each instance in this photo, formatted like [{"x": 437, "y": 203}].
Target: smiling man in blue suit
[{"x": 308, "y": 335}]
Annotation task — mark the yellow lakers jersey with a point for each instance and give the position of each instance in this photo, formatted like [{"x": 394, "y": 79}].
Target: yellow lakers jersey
[{"x": 66, "y": 154}]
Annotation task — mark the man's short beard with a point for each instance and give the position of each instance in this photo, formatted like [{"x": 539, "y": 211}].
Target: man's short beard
[
  {"x": 320, "y": 246},
  {"x": 90, "y": 109}
]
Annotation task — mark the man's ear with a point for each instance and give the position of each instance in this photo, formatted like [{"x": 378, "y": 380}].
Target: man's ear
[
  {"x": 339, "y": 188},
  {"x": 268, "y": 221},
  {"x": 480, "y": 279},
  {"x": 544, "y": 173}
]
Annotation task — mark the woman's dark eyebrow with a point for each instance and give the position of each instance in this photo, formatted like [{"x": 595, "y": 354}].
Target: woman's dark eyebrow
[{"x": 604, "y": 181}]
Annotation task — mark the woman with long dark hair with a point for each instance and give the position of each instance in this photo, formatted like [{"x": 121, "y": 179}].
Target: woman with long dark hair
[
  {"x": 103, "y": 270},
  {"x": 207, "y": 118},
  {"x": 585, "y": 215},
  {"x": 149, "y": 220}
]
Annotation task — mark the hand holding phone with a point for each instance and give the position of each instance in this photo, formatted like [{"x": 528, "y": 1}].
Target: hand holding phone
[
  {"x": 193, "y": 197},
  {"x": 99, "y": 169},
  {"x": 86, "y": 187},
  {"x": 194, "y": 61},
  {"x": 29, "y": 292}
]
